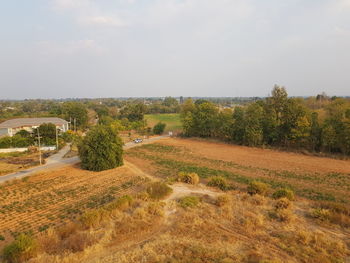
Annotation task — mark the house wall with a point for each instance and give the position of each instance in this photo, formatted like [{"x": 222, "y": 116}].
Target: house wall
[
  {"x": 13, "y": 131},
  {"x": 10, "y": 150},
  {"x": 3, "y": 132}
]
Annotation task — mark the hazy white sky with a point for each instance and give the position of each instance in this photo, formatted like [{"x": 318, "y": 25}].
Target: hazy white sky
[{"x": 115, "y": 48}]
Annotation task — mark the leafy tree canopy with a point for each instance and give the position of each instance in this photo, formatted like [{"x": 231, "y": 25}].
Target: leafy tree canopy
[{"x": 101, "y": 149}]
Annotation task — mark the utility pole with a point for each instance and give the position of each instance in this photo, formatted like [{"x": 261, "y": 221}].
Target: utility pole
[
  {"x": 56, "y": 138},
  {"x": 39, "y": 147},
  {"x": 75, "y": 124}
]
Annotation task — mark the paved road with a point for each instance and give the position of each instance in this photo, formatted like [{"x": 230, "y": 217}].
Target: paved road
[{"x": 57, "y": 161}]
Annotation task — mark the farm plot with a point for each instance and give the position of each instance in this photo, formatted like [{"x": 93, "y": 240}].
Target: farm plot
[
  {"x": 171, "y": 120},
  {"x": 11, "y": 162},
  {"x": 313, "y": 178},
  {"x": 33, "y": 204}
]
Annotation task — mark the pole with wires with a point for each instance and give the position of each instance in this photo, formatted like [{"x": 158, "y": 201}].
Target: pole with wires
[{"x": 40, "y": 161}]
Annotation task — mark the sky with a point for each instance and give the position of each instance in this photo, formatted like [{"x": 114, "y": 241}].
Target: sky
[{"x": 147, "y": 48}]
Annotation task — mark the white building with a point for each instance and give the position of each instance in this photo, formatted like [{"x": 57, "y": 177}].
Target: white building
[{"x": 11, "y": 127}]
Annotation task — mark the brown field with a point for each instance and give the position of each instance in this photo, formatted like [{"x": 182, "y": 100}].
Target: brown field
[
  {"x": 210, "y": 226},
  {"x": 313, "y": 178},
  {"x": 49, "y": 199},
  {"x": 12, "y": 162}
]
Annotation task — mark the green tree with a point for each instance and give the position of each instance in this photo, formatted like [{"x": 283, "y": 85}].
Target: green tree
[
  {"x": 315, "y": 132},
  {"x": 170, "y": 102},
  {"x": 269, "y": 122},
  {"x": 101, "y": 149},
  {"x": 205, "y": 119},
  {"x": 47, "y": 133},
  {"x": 329, "y": 135},
  {"x": 159, "y": 128},
  {"x": 188, "y": 124},
  {"x": 77, "y": 111},
  {"x": 21, "y": 250},
  {"x": 101, "y": 110},
  {"x": 253, "y": 134},
  {"x": 336, "y": 125},
  {"x": 133, "y": 112},
  {"x": 186, "y": 107},
  {"x": 224, "y": 125},
  {"x": 278, "y": 100},
  {"x": 294, "y": 127},
  {"x": 238, "y": 129}
]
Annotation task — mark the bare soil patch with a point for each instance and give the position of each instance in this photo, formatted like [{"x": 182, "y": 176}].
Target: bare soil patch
[
  {"x": 262, "y": 158},
  {"x": 48, "y": 199}
]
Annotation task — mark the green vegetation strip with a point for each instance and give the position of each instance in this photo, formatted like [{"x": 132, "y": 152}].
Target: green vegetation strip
[
  {"x": 331, "y": 179},
  {"x": 172, "y": 167}
]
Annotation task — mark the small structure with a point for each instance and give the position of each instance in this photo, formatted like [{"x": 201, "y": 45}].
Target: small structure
[{"x": 11, "y": 127}]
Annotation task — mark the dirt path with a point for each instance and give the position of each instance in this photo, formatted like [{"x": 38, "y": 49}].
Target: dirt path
[
  {"x": 170, "y": 208},
  {"x": 58, "y": 161}
]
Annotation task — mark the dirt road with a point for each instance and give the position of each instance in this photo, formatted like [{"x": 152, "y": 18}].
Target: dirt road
[{"x": 57, "y": 161}]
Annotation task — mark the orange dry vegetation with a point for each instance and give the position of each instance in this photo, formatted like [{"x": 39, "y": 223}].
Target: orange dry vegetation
[
  {"x": 48, "y": 199},
  {"x": 262, "y": 158},
  {"x": 236, "y": 229},
  {"x": 12, "y": 162},
  {"x": 198, "y": 224},
  {"x": 315, "y": 178}
]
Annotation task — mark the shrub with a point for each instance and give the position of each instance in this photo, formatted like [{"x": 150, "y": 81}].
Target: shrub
[
  {"x": 155, "y": 208},
  {"x": 67, "y": 230},
  {"x": 320, "y": 213},
  {"x": 257, "y": 200},
  {"x": 159, "y": 128},
  {"x": 91, "y": 219},
  {"x": 189, "y": 201},
  {"x": 144, "y": 196},
  {"x": 68, "y": 136},
  {"x": 282, "y": 203},
  {"x": 219, "y": 182},
  {"x": 282, "y": 215},
  {"x": 256, "y": 187},
  {"x": 5, "y": 142},
  {"x": 2, "y": 238},
  {"x": 284, "y": 192},
  {"x": 338, "y": 213},
  {"x": 78, "y": 241},
  {"x": 122, "y": 203},
  {"x": 101, "y": 149},
  {"x": 222, "y": 200},
  {"x": 159, "y": 190},
  {"x": 188, "y": 178},
  {"x": 20, "y": 250},
  {"x": 18, "y": 141}
]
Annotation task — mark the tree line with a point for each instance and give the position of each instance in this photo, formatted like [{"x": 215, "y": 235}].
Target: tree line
[{"x": 278, "y": 120}]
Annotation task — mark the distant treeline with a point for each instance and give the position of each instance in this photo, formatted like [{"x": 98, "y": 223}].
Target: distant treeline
[{"x": 316, "y": 124}]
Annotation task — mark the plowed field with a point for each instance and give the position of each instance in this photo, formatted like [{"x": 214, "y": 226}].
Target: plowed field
[
  {"x": 36, "y": 203},
  {"x": 314, "y": 178}
]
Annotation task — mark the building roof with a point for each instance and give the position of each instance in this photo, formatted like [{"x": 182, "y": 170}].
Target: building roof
[{"x": 25, "y": 122}]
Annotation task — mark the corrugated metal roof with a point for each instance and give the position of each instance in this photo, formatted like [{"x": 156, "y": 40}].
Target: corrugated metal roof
[{"x": 15, "y": 123}]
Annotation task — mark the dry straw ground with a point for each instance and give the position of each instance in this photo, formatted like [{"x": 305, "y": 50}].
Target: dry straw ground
[{"x": 197, "y": 223}]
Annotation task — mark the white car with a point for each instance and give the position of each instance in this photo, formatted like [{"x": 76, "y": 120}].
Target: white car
[{"x": 138, "y": 140}]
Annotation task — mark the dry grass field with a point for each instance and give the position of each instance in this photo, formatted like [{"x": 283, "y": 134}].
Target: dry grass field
[
  {"x": 12, "y": 162},
  {"x": 34, "y": 204},
  {"x": 80, "y": 216},
  {"x": 313, "y": 178}
]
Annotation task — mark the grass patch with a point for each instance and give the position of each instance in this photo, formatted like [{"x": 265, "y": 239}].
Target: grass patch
[
  {"x": 188, "y": 178},
  {"x": 219, "y": 182},
  {"x": 159, "y": 190},
  {"x": 189, "y": 202},
  {"x": 169, "y": 167},
  {"x": 20, "y": 250},
  {"x": 172, "y": 121},
  {"x": 287, "y": 193},
  {"x": 256, "y": 187}
]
